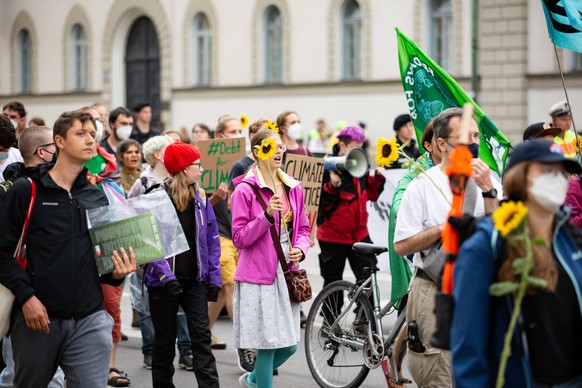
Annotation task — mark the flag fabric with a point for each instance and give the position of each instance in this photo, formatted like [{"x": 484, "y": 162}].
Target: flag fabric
[
  {"x": 564, "y": 21},
  {"x": 429, "y": 90}
]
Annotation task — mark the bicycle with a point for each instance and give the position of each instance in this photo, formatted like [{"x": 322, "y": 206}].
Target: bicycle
[{"x": 344, "y": 342}]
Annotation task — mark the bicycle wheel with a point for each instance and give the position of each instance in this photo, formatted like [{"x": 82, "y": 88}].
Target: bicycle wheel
[{"x": 335, "y": 357}]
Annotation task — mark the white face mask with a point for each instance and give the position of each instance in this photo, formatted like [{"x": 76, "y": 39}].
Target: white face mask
[
  {"x": 14, "y": 123},
  {"x": 99, "y": 131},
  {"x": 124, "y": 132},
  {"x": 549, "y": 190},
  {"x": 294, "y": 131}
]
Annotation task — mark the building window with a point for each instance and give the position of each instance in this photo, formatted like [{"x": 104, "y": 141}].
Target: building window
[
  {"x": 78, "y": 58},
  {"x": 352, "y": 40},
  {"x": 576, "y": 61},
  {"x": 202, "y": 41},
  {"x": 441, "y": 33},
  {"x": 25, "y": 62},
  {"x": 273, "y": 46}
]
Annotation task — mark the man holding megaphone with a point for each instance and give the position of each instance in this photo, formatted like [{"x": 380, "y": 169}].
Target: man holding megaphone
[{"x": 342, "y": 218}]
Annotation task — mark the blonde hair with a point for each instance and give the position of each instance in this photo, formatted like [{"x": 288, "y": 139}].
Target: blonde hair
[
  {"x": 180, "y": 190},
  {"x": 155, "y": 144},
  {"x": 222, "y": 120}
]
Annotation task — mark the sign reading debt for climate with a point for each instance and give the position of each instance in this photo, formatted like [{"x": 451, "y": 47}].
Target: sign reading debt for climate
[
  {"x": 309, "y": 171},
  {"x": 217, "y": 158}
]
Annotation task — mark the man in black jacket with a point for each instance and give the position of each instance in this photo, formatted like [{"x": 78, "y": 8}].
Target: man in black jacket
[
  {"x": 404, "y": 129},
  {"x": 58, "y": 317}
]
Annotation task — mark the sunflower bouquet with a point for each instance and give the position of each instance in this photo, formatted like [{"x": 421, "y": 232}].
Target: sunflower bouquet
[
  {"x": 388, "y": 152},
  {"x": 510, "y": 220}
]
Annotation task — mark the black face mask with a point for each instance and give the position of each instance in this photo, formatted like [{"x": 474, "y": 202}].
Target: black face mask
[
  {"x": 474, "y": 148},
  {"x": 53, "y": 159}
]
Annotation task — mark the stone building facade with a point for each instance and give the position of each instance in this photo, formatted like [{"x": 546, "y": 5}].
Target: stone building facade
[{"x": 331, "y": 59}]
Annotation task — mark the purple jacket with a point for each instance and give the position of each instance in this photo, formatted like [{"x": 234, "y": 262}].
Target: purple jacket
[
  {"x": 574, "y": 200},
  {"x": 160, "y": 272},
  {"x": 257, "y": 258}
]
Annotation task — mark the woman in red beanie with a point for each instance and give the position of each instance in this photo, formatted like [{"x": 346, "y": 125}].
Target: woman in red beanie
[{"x": 190, "y": 279}]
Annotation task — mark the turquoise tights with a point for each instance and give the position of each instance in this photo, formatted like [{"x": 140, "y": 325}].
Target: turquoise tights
[{"x": 266, "y": 361}]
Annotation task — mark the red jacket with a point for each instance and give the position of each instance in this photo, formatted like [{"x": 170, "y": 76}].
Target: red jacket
[{"x": 342, "y": 216}]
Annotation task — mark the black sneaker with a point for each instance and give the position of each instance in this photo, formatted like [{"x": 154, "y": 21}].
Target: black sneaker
[
  {"x": 186, "y": 360},
  {"x": 147, "y": 360},
  {"x": 246, "y": 360}
]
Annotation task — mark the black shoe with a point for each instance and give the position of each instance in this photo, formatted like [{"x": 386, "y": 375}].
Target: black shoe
[
  {"x": 147, "y": 360},
  {"x": 275, "y": 372},
  {"x": 124, "y": 337},
  {"x": 186, "y": 360},
  {"x": 246, "y": 360}
]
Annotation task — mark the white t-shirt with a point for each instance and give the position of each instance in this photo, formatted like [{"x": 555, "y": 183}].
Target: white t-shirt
[
  {"x": 423, "y": 206},
  {"x": 13, "y": 156}
]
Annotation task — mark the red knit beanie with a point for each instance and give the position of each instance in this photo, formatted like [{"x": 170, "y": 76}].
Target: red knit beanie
[{"x": 179, "y": 155}]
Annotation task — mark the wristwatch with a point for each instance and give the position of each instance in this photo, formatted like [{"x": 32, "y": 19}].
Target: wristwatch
[{"x": 490, "y": 194}]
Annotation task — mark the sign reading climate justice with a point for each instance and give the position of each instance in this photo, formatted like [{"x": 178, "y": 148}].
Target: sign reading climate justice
[
  {"x": 309, "y": 171},
  {"x": 217, "y": 158}
]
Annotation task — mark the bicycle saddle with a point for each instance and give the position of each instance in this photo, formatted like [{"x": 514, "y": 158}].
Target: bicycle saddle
[{"x": 368, "y": 249}]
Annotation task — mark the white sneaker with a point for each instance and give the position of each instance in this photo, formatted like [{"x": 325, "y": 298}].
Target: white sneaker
[{"x": 245, "y": 382}]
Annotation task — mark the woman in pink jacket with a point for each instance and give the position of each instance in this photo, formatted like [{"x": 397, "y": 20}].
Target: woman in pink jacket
[{"x": 264, "y": 317}]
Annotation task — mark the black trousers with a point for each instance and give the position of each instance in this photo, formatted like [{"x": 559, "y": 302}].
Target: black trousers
[
  {"x": 332, "y": 261},
  {"x": 163, "y": 309}
]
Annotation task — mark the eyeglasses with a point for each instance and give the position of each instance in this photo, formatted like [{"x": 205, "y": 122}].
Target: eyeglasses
[
  {"x": 282, "y": 148},
  {"x": 197, "y": 164},
  {"x": 42, "y": 146}
]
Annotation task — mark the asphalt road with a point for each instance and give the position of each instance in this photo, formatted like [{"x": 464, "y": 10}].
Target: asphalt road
[{"x": 294, "y": 373}]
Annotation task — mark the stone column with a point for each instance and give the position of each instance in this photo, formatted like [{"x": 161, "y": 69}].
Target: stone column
[{"x": 502, "y": 62}]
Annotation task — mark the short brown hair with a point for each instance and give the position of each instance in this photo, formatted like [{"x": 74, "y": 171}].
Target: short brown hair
[
  {"x": 66, "y": 120},
  {"x": 283, "y": 117}
]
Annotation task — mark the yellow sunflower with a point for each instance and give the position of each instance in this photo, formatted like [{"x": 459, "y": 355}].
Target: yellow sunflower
[
  {"x": 272, "y": 126},
  {"x": 509, "y": 217},
  {"x": 579, "y": 141},
  {"x": 244, "y": 121},
  {"x": 267, "y": 148},
  {"x": 386, "y": 152}
]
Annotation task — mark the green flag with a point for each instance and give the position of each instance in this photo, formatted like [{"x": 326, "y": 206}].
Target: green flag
[{"x": 429, "y": 90}]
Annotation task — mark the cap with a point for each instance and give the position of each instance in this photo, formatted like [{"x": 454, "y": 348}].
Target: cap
[
  {"x": 543, "y": 151},
  {"x": 352, "y": 132},
  {"x": 401, "y": 120},
  {"x": 559, "y": 109},
  {"x": 180, "y": 155},
  {"x": 538, "y": 130}
]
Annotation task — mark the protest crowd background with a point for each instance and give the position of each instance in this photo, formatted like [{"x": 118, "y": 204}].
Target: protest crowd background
[{"x": 233, "y": 115}]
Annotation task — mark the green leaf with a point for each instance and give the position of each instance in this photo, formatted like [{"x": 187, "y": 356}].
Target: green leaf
[
  {"x": 522, "y": 265},
  {"x": 536, "y": 282},
  {"x": 539, "y": 241},
  {"x": 503, "y": 288}
]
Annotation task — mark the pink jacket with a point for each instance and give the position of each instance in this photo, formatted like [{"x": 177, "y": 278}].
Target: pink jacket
[{"x": 257, "y": 258}]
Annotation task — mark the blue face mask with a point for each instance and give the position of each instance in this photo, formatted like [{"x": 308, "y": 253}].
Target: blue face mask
[
  {"x": 3, "y": 155},
  {"x": 474, "y": 148}
]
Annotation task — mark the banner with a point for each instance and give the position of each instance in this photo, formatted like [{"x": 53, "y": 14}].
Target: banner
[
  {"x": 217, "y": 158},
  {"x": 429, "y": 90},
  {"x": 564, "y": 23},
  {"x": 309, "y": 171}
]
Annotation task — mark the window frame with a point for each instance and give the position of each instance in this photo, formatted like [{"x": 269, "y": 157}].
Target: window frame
[
  {"x": 202, "y": 40},
  {"x": 273, "y": 39},
  {"x": 79, "y": 58}
]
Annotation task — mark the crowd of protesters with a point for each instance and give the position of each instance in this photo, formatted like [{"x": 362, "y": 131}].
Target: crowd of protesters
[{"x": 92, "y": 158}]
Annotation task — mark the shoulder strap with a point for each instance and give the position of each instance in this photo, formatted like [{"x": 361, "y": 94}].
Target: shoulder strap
[
  {"x": 19, "y": 251},
  {"x": 273, "y": 230}
]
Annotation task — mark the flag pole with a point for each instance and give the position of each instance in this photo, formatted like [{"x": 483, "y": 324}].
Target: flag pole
[{"x": 567, "y": 100}]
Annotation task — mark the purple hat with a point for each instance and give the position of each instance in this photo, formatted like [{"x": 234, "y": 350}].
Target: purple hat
[{"x": 352, "y": 132}]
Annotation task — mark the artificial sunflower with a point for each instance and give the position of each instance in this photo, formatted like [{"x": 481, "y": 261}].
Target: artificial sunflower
[
  {"x": 509, "y": 217},
  {"x": 272, "y": 126},
  {"x": 244, "y": 121},
  {"x": 386, "y": 152},
  {"x": 267, "y": 148}
]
